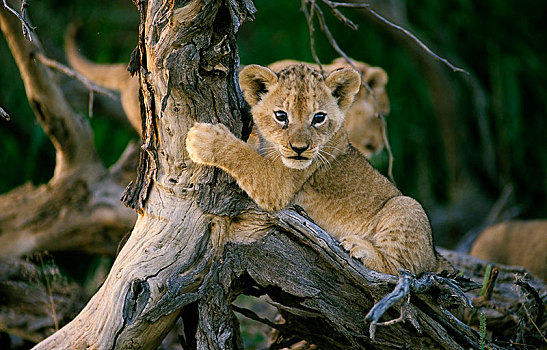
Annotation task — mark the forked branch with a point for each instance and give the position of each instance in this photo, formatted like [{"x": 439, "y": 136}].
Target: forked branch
[{"x": 334, "y": 5}]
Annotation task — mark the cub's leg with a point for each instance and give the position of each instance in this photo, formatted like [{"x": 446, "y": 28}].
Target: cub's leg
[
  {"x": 270, "y": 184},
  {"x": 400, "y": 239}
]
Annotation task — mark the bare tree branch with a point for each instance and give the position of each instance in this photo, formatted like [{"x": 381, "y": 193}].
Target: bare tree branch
[
  {"x": 27, "y": 28},
  {"x": 309, "y": 17},
  {"x": 79, "y": 208},
  {"x": 73, "y": 74},
  {"x": 418, "y": 41},
  {"x": 334, "y": 5},
  {"x": 340, "y": 15}
]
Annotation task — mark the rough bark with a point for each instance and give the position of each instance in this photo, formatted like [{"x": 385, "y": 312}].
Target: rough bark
[{"x": 188, "y": 74}]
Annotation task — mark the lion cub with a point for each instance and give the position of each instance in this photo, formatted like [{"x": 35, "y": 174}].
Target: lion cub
[{"x": 305, "y": 158}]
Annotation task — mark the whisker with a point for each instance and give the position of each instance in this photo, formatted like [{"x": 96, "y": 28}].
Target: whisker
[
  {"x": 271, "y": 154},
  {"x": 327, "y": 163},
  {"x": 330, "y": 147},
  {"x": 324, "y": 161},
  {"x": 328, "y": 153},
  {"x": 319, "y": 159}
]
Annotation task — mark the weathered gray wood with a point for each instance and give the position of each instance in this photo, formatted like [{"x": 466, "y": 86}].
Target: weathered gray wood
[
  {"x": 511, "y": 310},
  {"x": 188, "y": 73}
]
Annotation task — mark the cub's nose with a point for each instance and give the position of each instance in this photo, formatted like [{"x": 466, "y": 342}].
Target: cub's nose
[{"x": 299, "y": 149}]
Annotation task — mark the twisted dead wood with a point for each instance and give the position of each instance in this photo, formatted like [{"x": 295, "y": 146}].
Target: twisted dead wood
[{"x": 79, "y": 209}]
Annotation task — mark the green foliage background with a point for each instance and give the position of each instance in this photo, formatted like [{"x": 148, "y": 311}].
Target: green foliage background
[{"x": 502, "y": 43}]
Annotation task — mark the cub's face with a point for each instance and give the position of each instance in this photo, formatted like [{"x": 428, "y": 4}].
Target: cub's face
[{"x": 297, "y": 112}]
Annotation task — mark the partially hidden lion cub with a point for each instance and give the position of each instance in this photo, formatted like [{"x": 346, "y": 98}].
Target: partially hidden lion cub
[
  {"x": 305, "y": 158},
  {"x": 114, "y": 76},
  {"x": 520, "y": 242}
]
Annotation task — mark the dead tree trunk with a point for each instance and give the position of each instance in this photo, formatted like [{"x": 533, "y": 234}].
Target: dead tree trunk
[
  {"x": 188, "y": 65},
  {"x": 199, "y": 242}
]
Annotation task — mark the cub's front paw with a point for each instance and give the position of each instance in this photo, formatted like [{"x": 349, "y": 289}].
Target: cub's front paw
[
  {"x": 358, "y": 247},
  {"x": 204, "y": 141},
  {"x": 363, "y": 249}
]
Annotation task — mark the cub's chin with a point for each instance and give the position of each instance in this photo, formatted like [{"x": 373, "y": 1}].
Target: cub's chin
[{"x": 296, "y": 163}]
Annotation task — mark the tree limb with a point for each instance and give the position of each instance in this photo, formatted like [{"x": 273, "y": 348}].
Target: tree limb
[
  {"x": 79, "y": 208},
  {"x": 72, "y": 73}
]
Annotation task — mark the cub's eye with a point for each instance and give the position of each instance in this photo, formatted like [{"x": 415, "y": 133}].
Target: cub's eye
[
  {"x": 281, "y": 116},
  {"x": 319, "y": 118}
]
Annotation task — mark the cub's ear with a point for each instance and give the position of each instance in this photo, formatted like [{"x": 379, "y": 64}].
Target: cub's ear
[
  {"x": 255, "y": 81},
  {"x": 375, "y": 77},
  {"x": 344, "y": 84}
]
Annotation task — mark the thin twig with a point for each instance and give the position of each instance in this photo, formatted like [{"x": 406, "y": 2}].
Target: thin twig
[
  {"x": 447, "y": 284},
  {"x": 73, "y": 74},
  {"x": 4, "y": 114},
  {"x": 418, "y": 41},
  {"x": 539, "y": 318},
  {"x": 253, "y": 316},
  {"x": 400, "y": 292},
  {"x": 50, "y": 293},
  {"x": 90, "y": 103},
  {"x": 332, "y": 6},
  {"x": 309, "y": 17},
  {"x": 386, "y": 141},
  {"x": 27, "y": 28},
  {"x": 345, "y": 4},
  {"x": 402, "y": 316},
  {"x": 408, "y": 284}
]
